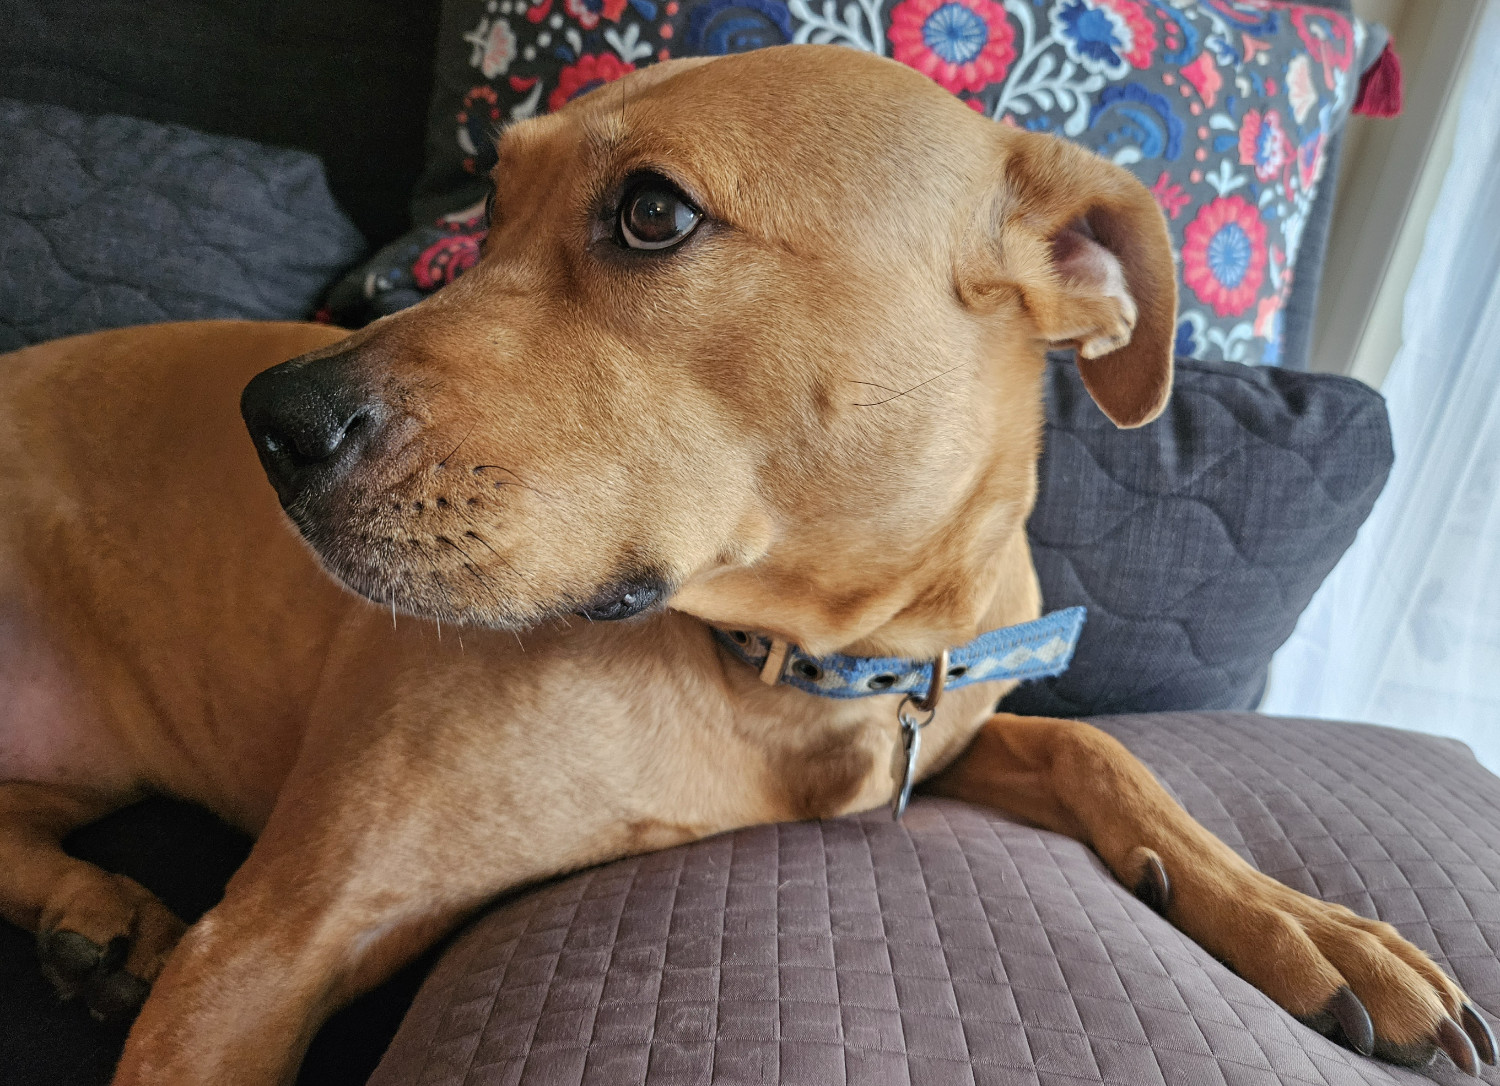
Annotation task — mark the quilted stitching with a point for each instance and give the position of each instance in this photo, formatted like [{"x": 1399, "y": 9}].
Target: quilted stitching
[
  {"x": 112, "y": 221},
  {"x": 1195, "y": 542},
  {"x": 959, "y": 947}
]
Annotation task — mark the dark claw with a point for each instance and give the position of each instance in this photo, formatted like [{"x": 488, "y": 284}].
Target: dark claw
[
  {"x": 114, "y": 954},
  {"x": 68, "y": 956},
  {"x": 1353, "y": 1020},
  {"x": 1344, "y": 1020},
  {"x": 1154, "y": 888},
  {"x": 116, "y": 996},
  {"x": 1453, "y": 1040},
  {"x": 1479, "y": 1032},
  {"x": 75, "y": 963},
  {"x": 1416, "y": 1056}
]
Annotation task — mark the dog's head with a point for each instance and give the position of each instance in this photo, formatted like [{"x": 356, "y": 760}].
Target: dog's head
[{"x": 762, "y": 335}]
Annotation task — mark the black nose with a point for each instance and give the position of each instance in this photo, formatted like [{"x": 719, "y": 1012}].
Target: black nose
[{"x": 309, "y": 423}]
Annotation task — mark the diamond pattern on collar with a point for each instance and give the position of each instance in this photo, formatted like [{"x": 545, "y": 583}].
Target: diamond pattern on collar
[{"x": 1031, "y": 650}]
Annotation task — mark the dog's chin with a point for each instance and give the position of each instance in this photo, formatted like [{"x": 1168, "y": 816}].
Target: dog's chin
[
  {"x": 372, "y": 567},
  {"x": 419, "y": 597},
  {"x": 466, "y": 595}
]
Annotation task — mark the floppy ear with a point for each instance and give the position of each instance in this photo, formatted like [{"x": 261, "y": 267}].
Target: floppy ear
[{"x": 1084, "y": 248}]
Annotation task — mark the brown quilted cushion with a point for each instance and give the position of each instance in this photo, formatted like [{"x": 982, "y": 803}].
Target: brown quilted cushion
[{"x": 959, "y": 947}]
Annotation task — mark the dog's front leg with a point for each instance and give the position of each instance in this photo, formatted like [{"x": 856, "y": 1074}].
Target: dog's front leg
[
  {"x": 302, "y": 930},
  {"x": 249, "y": 986},
  {"x": 1322, "y": 962},
  {"x": 369, "y": 856}
]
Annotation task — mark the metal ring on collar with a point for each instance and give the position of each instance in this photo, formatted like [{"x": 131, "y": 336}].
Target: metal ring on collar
[{"x": 928, "y": 703}]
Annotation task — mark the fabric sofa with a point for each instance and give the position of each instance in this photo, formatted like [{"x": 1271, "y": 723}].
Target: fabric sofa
[
  {"x": 960, "y": 947},
  {"x": 955, "y": 946}
]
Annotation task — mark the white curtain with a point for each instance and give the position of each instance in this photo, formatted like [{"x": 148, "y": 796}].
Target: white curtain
[{"x": 1407, "y": 629}]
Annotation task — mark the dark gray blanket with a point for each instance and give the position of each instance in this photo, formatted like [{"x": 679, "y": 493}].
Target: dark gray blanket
[{"x": 959, "y": 947}]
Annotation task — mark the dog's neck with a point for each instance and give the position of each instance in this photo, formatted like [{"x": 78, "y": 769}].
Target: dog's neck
[
  {"x": 944, "y": 613},
  {"x": 915, "y": 612},
  {"x": 907, "y": 575}
]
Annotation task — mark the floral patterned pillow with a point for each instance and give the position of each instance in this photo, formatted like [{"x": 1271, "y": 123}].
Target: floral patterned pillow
[{"x": 1222, "y": 107}]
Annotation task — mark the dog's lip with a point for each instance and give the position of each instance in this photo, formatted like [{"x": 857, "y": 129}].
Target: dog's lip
[
  {"x": 372, "y": 566},
  {"x": 626, "y": 599}
]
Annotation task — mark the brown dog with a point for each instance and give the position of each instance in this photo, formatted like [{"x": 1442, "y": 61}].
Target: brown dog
[{"x": 760, "y": 339}]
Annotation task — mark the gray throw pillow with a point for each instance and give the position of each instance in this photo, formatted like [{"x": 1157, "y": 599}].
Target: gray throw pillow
[
  {"x": 111, "y": 221},
  {"x": 1196, "y": 541}
]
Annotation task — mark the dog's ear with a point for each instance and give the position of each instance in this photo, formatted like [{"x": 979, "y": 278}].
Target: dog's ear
[{"x": 1082, "y": 246}]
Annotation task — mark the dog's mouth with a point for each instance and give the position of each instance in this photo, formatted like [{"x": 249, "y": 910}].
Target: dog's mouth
[
  {"x": 466, "y": 593},
  {"x": 626, "y": 598},
  {"x": 438, "y": 556}
]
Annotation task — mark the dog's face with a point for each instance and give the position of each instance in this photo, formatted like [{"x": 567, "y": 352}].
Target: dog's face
[{"x": 761, "y": 334}]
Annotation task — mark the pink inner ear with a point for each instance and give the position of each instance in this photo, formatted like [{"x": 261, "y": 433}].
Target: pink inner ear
[{"x": 1086, "y": 265}]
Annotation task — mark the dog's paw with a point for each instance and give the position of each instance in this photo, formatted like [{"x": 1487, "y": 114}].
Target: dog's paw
[
  {"x": 1353, "y": 979},
  {"x": 106, "y": 942}
]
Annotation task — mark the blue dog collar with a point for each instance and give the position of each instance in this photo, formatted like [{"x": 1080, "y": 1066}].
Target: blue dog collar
[{"x": 1032, "y": 650}]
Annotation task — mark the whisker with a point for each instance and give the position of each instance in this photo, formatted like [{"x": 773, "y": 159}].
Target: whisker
[
  {"x": 444, "y": 461},
  {"x": 485, "y": 543},
  {"x": 913, "y": 388},
  {"x": 516, "y": 479},
  {"x": 874, "y": 384},
  {"x": 473, "y": 568}
]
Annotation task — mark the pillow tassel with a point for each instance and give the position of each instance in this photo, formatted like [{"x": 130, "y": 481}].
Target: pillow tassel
[{"x": 1380, "y": 86}]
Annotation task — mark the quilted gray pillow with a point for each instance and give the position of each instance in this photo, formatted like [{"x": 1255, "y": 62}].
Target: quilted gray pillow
[
  {"x": 1197, "y": 541},
  {"x": 962, "y": 948},
  {"x": 111, "y": 221}
]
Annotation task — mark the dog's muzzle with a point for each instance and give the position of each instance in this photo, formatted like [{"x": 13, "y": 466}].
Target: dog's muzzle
[{"x": 310, "y": 422}]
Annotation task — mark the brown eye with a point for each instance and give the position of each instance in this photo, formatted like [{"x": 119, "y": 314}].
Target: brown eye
[{"x": 656, "y": 215}]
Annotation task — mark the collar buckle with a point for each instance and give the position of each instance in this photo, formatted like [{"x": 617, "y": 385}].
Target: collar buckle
[{"x": 770, "y": 671}]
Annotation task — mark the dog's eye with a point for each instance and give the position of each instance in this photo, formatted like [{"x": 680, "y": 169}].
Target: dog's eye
[{"x": 655, "y": 214}]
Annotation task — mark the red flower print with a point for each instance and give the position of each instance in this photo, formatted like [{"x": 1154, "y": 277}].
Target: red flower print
[
  {"x": 1204, "y": 75},
  {"x": 592, "y": 70},
  {"x": 1104, "y": 35},
  {"x": 1263, "y": 143},
  {"x": 494, "y": 47},
  {"x": 1265, "y": 317},
  {"x": 1170, "y": 197},
  {"x": 1299, "y": 88},
  {"x": 1224, "y": 255},
  {"x": 446, "y": 259},
  {"x": 963, "y": 45},
  {"x": 589, "y": 12},
  {"x": 1142, "y": 31},
  {"x": 478, "y": 121},
  {"x": 1329, "y": 39},
  {"x": 1310, "y": 160}
]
